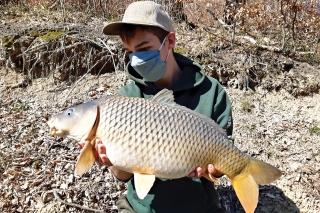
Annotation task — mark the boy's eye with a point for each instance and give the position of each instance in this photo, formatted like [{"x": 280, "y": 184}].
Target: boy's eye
[{"x": 142, "y": 49}]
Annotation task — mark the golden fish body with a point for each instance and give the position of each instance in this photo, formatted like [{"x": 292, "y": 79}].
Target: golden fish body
[
  {"x": 159, "y": 138},
  {"x": 168, "y": 141}
]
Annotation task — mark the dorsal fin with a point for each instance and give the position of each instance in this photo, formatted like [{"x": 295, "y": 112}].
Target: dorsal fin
[{"x": 166, "y": 97}]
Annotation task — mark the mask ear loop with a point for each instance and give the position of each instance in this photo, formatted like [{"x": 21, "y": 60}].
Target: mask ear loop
[
  {"x": 165, "y": 38},
  {"x": 168, "y": 55},
  {"x": 162, "y": 46}
]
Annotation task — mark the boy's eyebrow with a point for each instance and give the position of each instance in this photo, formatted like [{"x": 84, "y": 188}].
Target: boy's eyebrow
[
  {"x": 138, "y": 45},
  {"x": 141, "y": 44}
]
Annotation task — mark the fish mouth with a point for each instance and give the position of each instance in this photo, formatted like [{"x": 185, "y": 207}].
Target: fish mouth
[
  {"x": 53, "y": 129},
  {"x": 56, "y": 132}
]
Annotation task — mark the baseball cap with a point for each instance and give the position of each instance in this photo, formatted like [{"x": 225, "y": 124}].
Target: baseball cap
[{"x": 146, "y": 13}]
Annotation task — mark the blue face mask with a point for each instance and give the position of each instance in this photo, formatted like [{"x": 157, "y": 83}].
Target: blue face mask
[{"x": 149, "y": 64}]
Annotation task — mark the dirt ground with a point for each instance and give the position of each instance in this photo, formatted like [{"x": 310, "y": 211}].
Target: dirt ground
[
  {"x": 273, "y": 125},
  {"x": 275, "y": 128}
]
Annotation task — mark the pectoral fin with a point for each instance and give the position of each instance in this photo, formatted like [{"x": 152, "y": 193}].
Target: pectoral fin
[
  {"x": 143, "y": 183},
  {"x": 86, "y": 158}
]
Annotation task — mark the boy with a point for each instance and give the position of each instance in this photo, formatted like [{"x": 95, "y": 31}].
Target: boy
[{"x": 148, "y": 36}]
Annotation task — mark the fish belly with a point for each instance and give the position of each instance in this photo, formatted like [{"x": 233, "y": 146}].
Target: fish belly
[{"x": 149, "y": 138}]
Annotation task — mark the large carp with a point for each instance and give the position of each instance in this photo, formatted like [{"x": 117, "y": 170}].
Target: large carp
[{"x": 159, "y": 138}]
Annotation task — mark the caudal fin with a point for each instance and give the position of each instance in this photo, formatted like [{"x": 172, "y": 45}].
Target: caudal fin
[{"x": 246, "y": 183}]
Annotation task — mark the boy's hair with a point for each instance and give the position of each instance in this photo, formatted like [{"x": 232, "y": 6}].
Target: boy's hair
[{"x": 128, "y": 31}]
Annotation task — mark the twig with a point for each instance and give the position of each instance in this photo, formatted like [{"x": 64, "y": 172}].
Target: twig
[
  {"x": 63, "y": 48},
  {"x": 305, "y": 53},
  {"x": 207, "y": 29},
  {"x": 102, "y": 68},
  {"x": 53, "y": 5},
  {"x": 74, "y": 85},
  {"x": 33, "y": 49},
  {"x": 262, "y": 64},
  {"x": 253, "y": 41},
  {"x": 61, "y": 66},
  {"x": 105, "y": 45},
  {"x": 88, "y": 40},
  {"x": 217, "y": 19},
  {"x": 233, "y": 33},
  {"x": 75, "y": 205}
]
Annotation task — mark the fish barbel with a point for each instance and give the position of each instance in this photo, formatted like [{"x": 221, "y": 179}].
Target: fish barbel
[{"x": 159, "y": 138}]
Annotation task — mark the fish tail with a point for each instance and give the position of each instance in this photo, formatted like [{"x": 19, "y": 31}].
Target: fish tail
[{"x": 246, "y": 184}]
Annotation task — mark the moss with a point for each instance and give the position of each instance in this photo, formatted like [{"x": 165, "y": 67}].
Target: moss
[
  {"x": 34, "y": 33},
  {"x": 245, "y": 106},
  {"x": 8, "y": 41},
  {"x": 314, "y": 130},
  {"x": 181, "y": 50},
  {"x": 13, "y": 41},
  {"x": 51, "y": 35},
  {"x": 206, "y": 60},
  {"x": 48, "y": 35},
  {"x": 20, "y": 107},
  {"x": 203, "y": 60}
]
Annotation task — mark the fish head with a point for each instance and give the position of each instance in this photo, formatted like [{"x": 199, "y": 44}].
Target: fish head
[{"x": 76, "y": 122}]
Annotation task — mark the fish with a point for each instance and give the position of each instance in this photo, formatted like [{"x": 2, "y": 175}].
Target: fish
[{"x": 159, "y": 138}]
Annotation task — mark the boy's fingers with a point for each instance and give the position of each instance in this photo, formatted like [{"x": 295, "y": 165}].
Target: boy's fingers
[
  {"x": 105, "y": 160},
  {"x": 198, "y": 172},
  {"x": 192, "y": 174},
  {"x": 211, "y": 169},
  {"x": 81, "y": 144},
  {"x": 101, "y": 149},
  {"x": 99, "y": 152}
]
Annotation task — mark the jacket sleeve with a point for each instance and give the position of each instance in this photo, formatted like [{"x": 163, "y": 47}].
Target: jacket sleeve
[
  {"x": 222, "y": 112},
  {"x": 130, "y": 90}
]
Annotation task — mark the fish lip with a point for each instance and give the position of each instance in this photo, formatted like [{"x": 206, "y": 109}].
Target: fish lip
[
  {"x": 53, "y": 129},
  {"x": 59, "y": 132},
  {"x": 56, "y": 132}
]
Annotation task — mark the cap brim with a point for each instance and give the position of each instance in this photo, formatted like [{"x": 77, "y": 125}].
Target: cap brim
[{"x": 114, "y": 27}]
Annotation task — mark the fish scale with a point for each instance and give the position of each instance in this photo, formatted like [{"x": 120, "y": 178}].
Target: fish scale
[
  {"x": 120, "y": 118},
  {"x": 159, "y": 138}
]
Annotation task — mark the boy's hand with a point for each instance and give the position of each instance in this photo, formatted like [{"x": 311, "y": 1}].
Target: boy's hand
[
  {"x": 99, "y": 152},
  {"x": 197, "y": 173}
]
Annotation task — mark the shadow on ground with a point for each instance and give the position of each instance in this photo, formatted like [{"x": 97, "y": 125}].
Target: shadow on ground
[{"x": 271, "y": 200}]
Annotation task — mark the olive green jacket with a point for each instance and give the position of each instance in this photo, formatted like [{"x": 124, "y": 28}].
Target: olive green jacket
[{"x": 202, "y": 94}]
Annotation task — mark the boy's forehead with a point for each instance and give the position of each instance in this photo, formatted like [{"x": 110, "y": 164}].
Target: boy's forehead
[{"x": 140, "y": 37}]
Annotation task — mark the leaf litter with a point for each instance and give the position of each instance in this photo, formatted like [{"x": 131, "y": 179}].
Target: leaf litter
[{"x": 37, "y": 169}]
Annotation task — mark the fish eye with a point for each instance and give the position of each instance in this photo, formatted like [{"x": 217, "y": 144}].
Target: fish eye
[{"x": 69, "y": 112}]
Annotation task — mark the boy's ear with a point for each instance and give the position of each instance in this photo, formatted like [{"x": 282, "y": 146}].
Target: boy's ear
[{"x": 172, "y": 39}]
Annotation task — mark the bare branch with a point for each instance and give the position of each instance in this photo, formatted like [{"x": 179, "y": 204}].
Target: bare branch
[{"x": 55, "y": 193}]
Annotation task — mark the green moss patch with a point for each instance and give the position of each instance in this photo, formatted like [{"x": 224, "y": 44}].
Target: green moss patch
[
  {"x": 48, "y": 35},
  {"x": 8, "y": 41}
]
